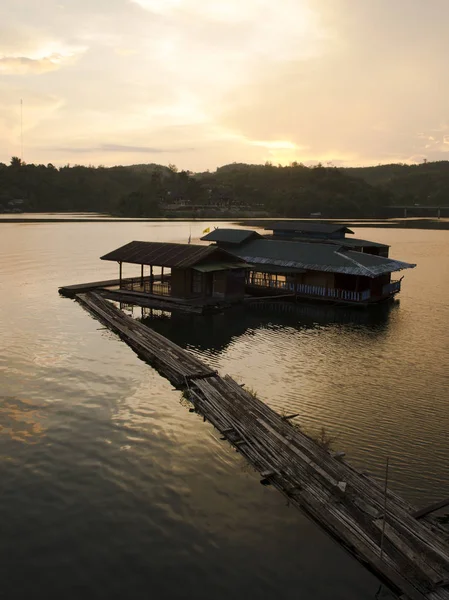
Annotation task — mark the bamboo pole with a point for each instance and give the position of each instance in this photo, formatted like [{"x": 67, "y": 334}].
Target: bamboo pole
[{"x": 385, "y": 509}]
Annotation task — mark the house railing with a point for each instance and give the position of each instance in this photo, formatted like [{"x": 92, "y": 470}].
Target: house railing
[
  {"x": 130, "y": 283},
  {"x": 312, "y": 290},
  {"x": 391, "y": 288},
  {"x": 158, "y": 289}
]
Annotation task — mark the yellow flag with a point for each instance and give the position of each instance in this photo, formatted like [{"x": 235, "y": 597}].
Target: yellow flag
[{"x": 207, "y": 230}]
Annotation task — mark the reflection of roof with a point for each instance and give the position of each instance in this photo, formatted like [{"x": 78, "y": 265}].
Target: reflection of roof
[
  {"x": 317, "y": 257},
  {"x": 347, "y": 242},
  {"x": 165, "y": 255},
  {"x": 230, "y": 236},
  {"x": 306, "y": 227}
]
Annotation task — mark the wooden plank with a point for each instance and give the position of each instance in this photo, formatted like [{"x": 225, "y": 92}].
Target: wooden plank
[
  {"x": 414, "y": 555},
  {"x": 422, "y": 512}
]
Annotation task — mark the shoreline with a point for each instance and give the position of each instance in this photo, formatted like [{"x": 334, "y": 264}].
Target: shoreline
[{"x": 413, "y": 223}]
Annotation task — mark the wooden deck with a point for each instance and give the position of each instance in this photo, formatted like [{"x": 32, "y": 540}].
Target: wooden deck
[
  {"x": 414, "y": 560},
  {"x": 154, "y": 301},
  {"x": 133, "y": 293},
  {"x": 80, "y": 288}
]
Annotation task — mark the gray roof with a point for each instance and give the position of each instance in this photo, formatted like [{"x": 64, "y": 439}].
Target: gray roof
[
  {"x": 353, "y": 242},
  {"x": 308, "y": 227},
  {"x": 358, "y": 243},
  {"x": 317, "y": 257},
  {"x": 230, "y": 236},
  {"x": 166, "y": 254},
  {"x": 279, "y": 270}
]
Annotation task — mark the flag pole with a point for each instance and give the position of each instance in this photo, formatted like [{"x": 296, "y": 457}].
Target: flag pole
[{"x": 21, "y": 130}]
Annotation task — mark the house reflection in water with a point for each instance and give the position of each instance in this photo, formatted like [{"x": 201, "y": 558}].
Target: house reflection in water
[{"x": 214, "y": 333}]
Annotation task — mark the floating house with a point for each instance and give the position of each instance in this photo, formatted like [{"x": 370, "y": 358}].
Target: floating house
[
  {"x": 181, "y": 271},
  {"x": 239, "y": 265},
  {"x": 326, "y": 269}
]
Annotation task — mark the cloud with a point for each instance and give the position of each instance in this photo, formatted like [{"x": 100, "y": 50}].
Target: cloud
[
  {"x": 22, "y": 65},
  {"x": 378, "y": 82},
  {"x": 323, "y": 80}
]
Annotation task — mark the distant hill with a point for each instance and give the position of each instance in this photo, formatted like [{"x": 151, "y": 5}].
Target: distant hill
[
  {"x": 424, "y": 184},
  {"x": 232, "y": 190}
]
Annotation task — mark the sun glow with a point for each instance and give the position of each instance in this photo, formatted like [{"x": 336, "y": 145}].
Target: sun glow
[
  {"x": 158, "y": 6},
  {"x": 276, "y": 145}
]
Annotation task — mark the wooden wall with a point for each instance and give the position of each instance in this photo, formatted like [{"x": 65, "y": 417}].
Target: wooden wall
[
  {"x": 378, "y": 283},
  {"x": 235, "y": 284},
  {"x": 181, "y": 283},
  {"x": 319, "y": 278},
  {"x": 219, "y": 284}
]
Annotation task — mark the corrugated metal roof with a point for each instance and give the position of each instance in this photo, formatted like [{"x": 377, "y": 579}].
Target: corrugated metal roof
[
  {"x": 163, "y": 254},
  {"x": 230, "y": 236},
  {"x": 306, "y": 227},
  {"x": 317, "y": 257},
  {"x": 210, "y": 267},
  {"x": 358, "y": 243},
  {"x": 280, "y": 270},
  {"x": 348, "y": 242}
]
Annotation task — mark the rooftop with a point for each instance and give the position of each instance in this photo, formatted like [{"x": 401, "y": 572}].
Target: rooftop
[
  {"x": 308, "y": 227},
  {"x": 353, "y": 242},
  {"x": 230, "y": 236},
  {"x": 317, "y": 257},
  {"x": 164, "y": 254}
]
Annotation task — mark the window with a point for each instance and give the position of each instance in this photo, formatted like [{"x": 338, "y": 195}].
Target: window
[{"x": 197, "y": 282}]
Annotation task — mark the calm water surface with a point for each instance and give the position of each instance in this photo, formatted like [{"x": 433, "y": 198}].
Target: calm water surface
[{"x": 110, "y": 488}]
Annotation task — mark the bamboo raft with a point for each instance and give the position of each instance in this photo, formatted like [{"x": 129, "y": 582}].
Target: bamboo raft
[{"x": 406, "y": 548}]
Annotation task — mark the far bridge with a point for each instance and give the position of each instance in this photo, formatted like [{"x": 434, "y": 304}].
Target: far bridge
[{"x": 437, "y": 210}]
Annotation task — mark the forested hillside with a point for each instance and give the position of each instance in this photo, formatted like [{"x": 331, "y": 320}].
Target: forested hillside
[
  {"x": 424, "y": 184},
  {"x": 232, "y": 190}
]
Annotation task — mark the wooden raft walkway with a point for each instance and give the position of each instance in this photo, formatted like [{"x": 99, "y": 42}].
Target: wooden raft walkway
[{"x": 347, "y": 504}]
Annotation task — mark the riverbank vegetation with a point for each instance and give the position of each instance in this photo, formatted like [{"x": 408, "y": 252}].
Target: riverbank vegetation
[{"x": 235, "y": 190}]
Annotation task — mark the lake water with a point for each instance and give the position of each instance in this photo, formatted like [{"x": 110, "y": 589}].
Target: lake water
[{"x": 110, "y": 488}]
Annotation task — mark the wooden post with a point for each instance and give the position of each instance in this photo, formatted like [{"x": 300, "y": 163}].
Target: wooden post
[
  {"x": 120, "y": 275},
  {"x": 385, "y": 509},
  {"x": 162, "y": 274},
  {"x": 151, "y": 279},
  {"x": 141, "y": 276}
]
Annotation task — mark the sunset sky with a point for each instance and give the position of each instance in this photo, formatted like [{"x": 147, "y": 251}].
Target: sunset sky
[{"x": 201, "y": 83}]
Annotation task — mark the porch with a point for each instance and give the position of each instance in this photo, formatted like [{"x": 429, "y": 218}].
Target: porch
[
  {"x": 146, "y": 285},
  {"x": 179, "y": 273},
  {"x": 276, "y": 285}
]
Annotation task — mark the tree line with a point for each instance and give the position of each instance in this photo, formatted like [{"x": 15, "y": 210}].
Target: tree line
[{"x": 232, "y": 190}]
